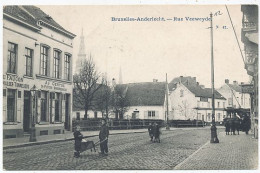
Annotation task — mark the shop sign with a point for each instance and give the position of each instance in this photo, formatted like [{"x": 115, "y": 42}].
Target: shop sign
[
  {"x": 52, "y": 85},
  {"x": 247, "y": 89},
  {"x": 14, "y": 81}
]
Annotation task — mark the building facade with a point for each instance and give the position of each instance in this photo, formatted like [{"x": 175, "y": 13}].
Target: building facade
[
  {"x": 249, "y": 36},
  {"x": 37, "y": 53},
  {"x": 189, "y": 100}
]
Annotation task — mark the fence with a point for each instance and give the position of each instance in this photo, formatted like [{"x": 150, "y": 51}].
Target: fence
[
  {"x": 186, "y": 123},
  {"x": 114, "y": 124}
]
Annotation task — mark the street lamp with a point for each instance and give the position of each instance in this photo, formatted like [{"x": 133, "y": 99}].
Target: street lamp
[
  {"x": 33, "y": 133},
  {"x": 214, "y": 138}
]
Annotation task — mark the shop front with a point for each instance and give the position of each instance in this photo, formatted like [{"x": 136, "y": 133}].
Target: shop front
[{"x": 49, "y": 109}]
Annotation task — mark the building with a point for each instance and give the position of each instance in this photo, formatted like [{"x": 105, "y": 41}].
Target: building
[
  {"x": 37, "y": 51},
  {"x": 249, "y": 36},
  {"x": 189, "y": 100},
  {"x": 146, "y": 100},
  {"x": 237, "y": 101}
]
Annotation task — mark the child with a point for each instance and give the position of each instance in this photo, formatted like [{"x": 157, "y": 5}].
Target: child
[{"x": 78, "y": 138}]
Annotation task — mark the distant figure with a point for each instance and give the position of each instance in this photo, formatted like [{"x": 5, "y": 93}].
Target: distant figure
[
  {"x": 156, "y": 133},
  {"x": 246, "y": 124},
  {"x": 103, "y": 137},
  {"x": 150, "y": 130},
  {"x": 227, "y": 126},
  {"x": 78, "y": 138},
  {"x": 233, "y": 127},
  {"x": 237, "y": 125}
]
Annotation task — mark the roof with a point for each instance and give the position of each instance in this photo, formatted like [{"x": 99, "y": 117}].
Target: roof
[
  {"x": 145, "y": 94},
  {"x": 237, "y": 88},
  {"x": 203, "y": 92},
  {"x": 32, "y": 15}
]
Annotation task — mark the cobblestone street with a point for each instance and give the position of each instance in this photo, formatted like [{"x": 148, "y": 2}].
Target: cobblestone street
[{"x": 126, "y": 151}]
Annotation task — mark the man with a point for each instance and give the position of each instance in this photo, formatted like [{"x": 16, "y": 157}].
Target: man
[
  {"x": 78, "y": 138},
  {"x": 103, "y": 137},
  {"x": 150, "y": 130}
]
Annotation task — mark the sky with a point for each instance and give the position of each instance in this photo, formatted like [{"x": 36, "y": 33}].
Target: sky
[{"x": 148, "y": 50}]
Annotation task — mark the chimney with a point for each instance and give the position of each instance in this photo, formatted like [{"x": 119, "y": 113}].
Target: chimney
[
  {"x": 198, "y": 84},
  {"x": 235, "y": 82},
  {"x": 202, "y": 86},
  {"x": 181, "y": 79},
  {"x": 155, "y": 80},
  {"x": 226, "y": 81}
]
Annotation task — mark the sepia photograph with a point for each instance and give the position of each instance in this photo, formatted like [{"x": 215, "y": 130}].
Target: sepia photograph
[{"x": 130, "y": 87}]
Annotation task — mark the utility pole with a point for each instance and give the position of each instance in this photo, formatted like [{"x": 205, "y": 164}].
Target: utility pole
[
  {"x": 167, "y": 105},
  {"x": 214, "y": 138}
]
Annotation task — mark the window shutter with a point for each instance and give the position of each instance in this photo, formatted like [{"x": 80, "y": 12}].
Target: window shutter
[
  {"x": 145, "y": 114},
  {"x": 156, "y": 114},
  {"x": 53, "y": 111},
  {"x": 63, "y": 111},
  {"x": 19, "y": 111},
  {"x": 38, "y": 117},
  {"x": 4, "y": 109}
]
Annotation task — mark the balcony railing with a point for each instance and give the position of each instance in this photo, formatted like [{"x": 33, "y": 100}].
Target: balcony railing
[{"x": 249, "y": 26}]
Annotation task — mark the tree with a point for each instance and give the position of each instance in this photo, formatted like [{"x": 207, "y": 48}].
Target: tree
[
  {"x": 103, "y": 98},
  {"x": 184, "y": 108},
  {"x": 120, "y": 102},
  {"x": 86, "y": 83}
]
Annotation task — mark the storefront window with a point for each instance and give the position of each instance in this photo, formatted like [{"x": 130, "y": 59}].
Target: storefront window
[
  {"x": 43, "y": 106},
  {"x": 11, "y": 102},
  {"x": 11, "y": 60},
  {"x": 57, "y": 107}
]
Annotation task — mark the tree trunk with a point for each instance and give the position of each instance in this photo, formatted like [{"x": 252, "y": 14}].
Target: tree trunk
[{"x": 86, "y": 114}]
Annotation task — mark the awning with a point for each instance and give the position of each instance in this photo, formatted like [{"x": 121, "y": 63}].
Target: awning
[{"x": 253, "y": 37}]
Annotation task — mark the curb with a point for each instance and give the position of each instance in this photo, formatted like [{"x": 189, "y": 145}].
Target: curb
[{"x": 59, "y": 140}]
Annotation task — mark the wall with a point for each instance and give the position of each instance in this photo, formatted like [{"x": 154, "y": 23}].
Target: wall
[
  {"x": 91, "y": 114},
  {"x": 143, "y": 112}
]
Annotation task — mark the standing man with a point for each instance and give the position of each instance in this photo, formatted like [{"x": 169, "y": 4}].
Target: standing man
[
  {"x": 103, "y": 137},
  {"x": 150, "y": 130}
]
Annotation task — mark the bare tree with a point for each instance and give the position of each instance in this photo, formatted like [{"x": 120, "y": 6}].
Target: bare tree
[
  {"x": 103, "y": 98},
  {"x": 120, "y": 103},
  {"x": 184, "y": 108},
  {"x": 86, "y": 83}
]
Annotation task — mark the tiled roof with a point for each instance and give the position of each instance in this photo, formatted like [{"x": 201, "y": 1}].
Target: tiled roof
[
  {"x": 145, "y": 94},
  {"x": 203, "y": 92},
  {"x": 31, "y": 15},
  {"x": 237, "y": 88}
]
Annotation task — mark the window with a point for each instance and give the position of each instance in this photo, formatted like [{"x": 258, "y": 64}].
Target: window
[
  {"x": 11, "y": 105},
  {"x": 95, "y": 114},
  {"x": 43, "y": 106},
  {"x": 11, "y": 59},
  {"x": 57, "y": 107},
  {"x": 218, "y": 116},
  {"x": 28, "y": 56},
  {"x": 208, "y": 104},
  {"x": 44, "y": 59},
  {"x": 203, "y": 99},
  {"x": 224, "y": 104},
  {"x": 67, "y": 67},
  {"x": 181, "y": 93},
  {"x": 56, "y": 69},
  {"x": 242, "y": 99},
  {"x": 209, "y": 116},
  {"x": 218, "y": 104},
  {"x": 78, "y": 115},
  {"x": 151, "y": 113}
]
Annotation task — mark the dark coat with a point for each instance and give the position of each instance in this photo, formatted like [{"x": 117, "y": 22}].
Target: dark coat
[
  {"x": 156, "y": 131},
  {"x": 78, "y": 138},
  {"x": 150, "y": 130},
  {"x": 227, "y": 125},
  {"x": 104, "y": 132}
]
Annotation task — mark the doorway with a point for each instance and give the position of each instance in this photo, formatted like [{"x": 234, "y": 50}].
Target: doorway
[
  {"x": 26, "y": 111},
  {"x": 67, "y": 116}
]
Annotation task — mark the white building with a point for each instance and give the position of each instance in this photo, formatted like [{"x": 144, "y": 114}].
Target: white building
[
  {"x": 146, "y": 100},
  {"x": 36, "y": 52},
  {"x": 234, "y": 95},
  {"x": 189, "y": 100}
]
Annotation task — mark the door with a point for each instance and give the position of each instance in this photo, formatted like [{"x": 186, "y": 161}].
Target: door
[{"x": 26, "y": 111}]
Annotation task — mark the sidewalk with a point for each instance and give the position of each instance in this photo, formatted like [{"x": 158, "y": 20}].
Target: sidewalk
[
  {"x": 24, "y": 141},
  {"x": 234, "y": 152}
]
